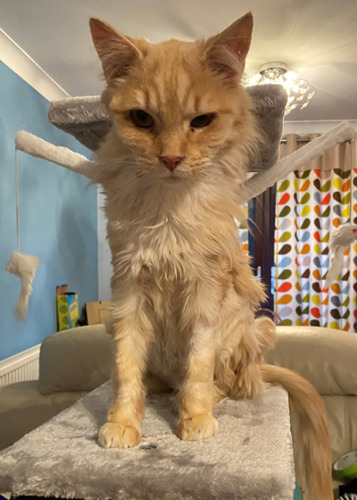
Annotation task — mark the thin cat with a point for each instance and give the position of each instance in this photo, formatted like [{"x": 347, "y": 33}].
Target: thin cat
[{"x": 183, "y": 294}]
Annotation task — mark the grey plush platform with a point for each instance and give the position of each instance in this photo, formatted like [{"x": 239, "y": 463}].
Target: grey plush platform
[{"x": 250, "y": 457}]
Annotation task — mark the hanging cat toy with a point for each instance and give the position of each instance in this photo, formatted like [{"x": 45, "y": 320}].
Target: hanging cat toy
[
  {"x": 25, "y": 266},
  {"x": 341, "y": 239}
]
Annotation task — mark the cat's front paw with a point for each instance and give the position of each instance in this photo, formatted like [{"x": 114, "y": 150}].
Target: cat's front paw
[
  {"x": 118, "y": 436},
  {"x": 198, "y": 427}
]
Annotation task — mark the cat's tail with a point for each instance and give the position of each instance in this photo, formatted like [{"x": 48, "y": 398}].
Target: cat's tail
[{"x": 312, "y": 451}]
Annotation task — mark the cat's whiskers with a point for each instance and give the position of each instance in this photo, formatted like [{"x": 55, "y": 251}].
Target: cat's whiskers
[
  {"x": 116, "y": 160},
  {"x": 152, "y": 170}
]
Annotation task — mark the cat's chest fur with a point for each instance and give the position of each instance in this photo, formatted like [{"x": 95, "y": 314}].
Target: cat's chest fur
[
  {"x": 155, "y": 248},
  {"x": 168, "y": 248},
  {"x": 161, "y": 232}
]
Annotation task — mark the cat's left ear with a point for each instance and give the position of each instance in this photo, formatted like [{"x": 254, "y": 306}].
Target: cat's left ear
[{"x": 227, "y": 51}]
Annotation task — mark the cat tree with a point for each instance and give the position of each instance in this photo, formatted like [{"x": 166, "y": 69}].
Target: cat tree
[
  {"x": 87, "y": 119},
  {"x": 63, "y": 458}
]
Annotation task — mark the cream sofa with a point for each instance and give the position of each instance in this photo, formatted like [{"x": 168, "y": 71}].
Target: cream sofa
[
  {"x": 72, "y": 363},
  {"x": 76, "y": 361},
  {"x": 328, "y": 359}
]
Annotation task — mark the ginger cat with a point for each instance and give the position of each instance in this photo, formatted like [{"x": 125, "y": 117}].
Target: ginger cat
[{"x": 183, "y": 294}]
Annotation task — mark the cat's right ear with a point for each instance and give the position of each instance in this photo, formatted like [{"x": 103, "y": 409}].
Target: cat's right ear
[
  {"x": 227, "y": 51},
  {"x": 116, "y": 52}
]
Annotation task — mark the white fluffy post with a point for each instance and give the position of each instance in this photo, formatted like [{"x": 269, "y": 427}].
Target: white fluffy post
[
  {"x": 317, "y": 147},
  {"x": 34, "y": 146},
  {"x": 25, "y": 267},
  {"x": 255, "y": 185}
]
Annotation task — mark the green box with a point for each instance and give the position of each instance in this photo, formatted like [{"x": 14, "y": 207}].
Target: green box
[{"x": 67, "y": 308}]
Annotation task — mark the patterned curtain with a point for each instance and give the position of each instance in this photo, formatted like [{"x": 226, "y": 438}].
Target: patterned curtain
[
  {"x": 311, "y": 203},
  {"x": 243, "y": 229}
]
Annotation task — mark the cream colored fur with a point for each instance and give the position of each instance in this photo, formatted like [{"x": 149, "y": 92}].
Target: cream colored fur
[
  {"x": 310, "y": 433},
  {"x": 183, "y": 294}
]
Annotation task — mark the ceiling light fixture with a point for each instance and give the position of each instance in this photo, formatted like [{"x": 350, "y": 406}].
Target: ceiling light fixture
[{"x": 299, "y": 91}]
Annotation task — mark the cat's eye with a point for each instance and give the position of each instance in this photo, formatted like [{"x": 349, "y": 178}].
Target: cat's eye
[
  {"x": 141, "y": 118},
  {"x": 202, "y": 120}
]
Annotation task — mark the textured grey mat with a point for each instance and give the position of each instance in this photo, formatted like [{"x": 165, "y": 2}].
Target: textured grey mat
[
  {"x": 87, "y": 120},
  {"x": 250, "y": 457}
]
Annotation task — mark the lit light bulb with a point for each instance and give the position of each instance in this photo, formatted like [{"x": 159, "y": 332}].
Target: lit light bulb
[{"x": 299, "y": 91}]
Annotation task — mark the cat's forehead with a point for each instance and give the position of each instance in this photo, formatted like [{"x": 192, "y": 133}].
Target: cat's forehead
[{"x": 172, "y": 78}]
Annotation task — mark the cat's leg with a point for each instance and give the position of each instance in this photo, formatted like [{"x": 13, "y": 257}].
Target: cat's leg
[
  {"x": 132, "y": 335},
  {"x": 239, "y": 350},
  {"x": 258, "y": 337},
  {"x": 247, "y": 380},
  {"x": 244, "y": 340},
  {"x": 196, "y": 394}
]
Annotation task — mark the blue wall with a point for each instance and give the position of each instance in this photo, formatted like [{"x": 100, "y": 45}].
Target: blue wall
[{"x": 58, "y": 219}]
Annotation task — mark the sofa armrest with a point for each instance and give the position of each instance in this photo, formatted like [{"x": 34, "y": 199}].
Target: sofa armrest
[
  {"x": 324, "y": 356},
  {"x": 78, "y": 359}
]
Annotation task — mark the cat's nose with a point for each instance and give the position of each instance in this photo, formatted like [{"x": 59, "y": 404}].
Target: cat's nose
[{"x": 171, "y": 162}]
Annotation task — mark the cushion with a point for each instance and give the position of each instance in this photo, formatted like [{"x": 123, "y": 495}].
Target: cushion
[
  {"x": 342, "y": 421},
  {"x": 324, "y": 356},
  {"x": 249, "y": 458},
  {"x": 78, "y": 359}
]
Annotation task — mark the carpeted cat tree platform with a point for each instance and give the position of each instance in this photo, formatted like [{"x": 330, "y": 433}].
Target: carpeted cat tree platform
[{"x": 250, "y": 457}]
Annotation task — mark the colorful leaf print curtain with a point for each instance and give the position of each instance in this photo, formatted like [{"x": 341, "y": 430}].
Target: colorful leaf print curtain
[{"x": 311, "y": 203}]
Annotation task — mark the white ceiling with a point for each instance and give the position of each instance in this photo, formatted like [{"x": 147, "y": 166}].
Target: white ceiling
[{"x": 317, "y": 38}]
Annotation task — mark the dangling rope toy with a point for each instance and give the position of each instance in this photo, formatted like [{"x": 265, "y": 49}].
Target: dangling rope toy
[
  {"x": 341, "y": 239},
  {"x": 25, "y": 266},
  {"x": 22, "y": 265}
]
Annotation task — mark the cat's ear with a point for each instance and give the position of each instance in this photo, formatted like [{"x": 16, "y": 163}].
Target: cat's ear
[
  {"x": 116, "y": 52},
  {"x": 227, "y": 51}
]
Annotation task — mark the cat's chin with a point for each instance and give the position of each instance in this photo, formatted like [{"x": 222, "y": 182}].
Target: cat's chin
[
  {"x": 172, "y": 180},
  {"x": 171, "y": 177}
]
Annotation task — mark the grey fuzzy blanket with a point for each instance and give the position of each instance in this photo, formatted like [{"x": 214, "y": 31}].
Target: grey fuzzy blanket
[{"x": 250, "y": 457}]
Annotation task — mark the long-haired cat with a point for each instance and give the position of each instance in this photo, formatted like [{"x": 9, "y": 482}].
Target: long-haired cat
[{"x": 183, "y": 294}]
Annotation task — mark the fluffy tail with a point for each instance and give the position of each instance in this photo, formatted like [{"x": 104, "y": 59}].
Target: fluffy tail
[{"x": 312, "y": 451}]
